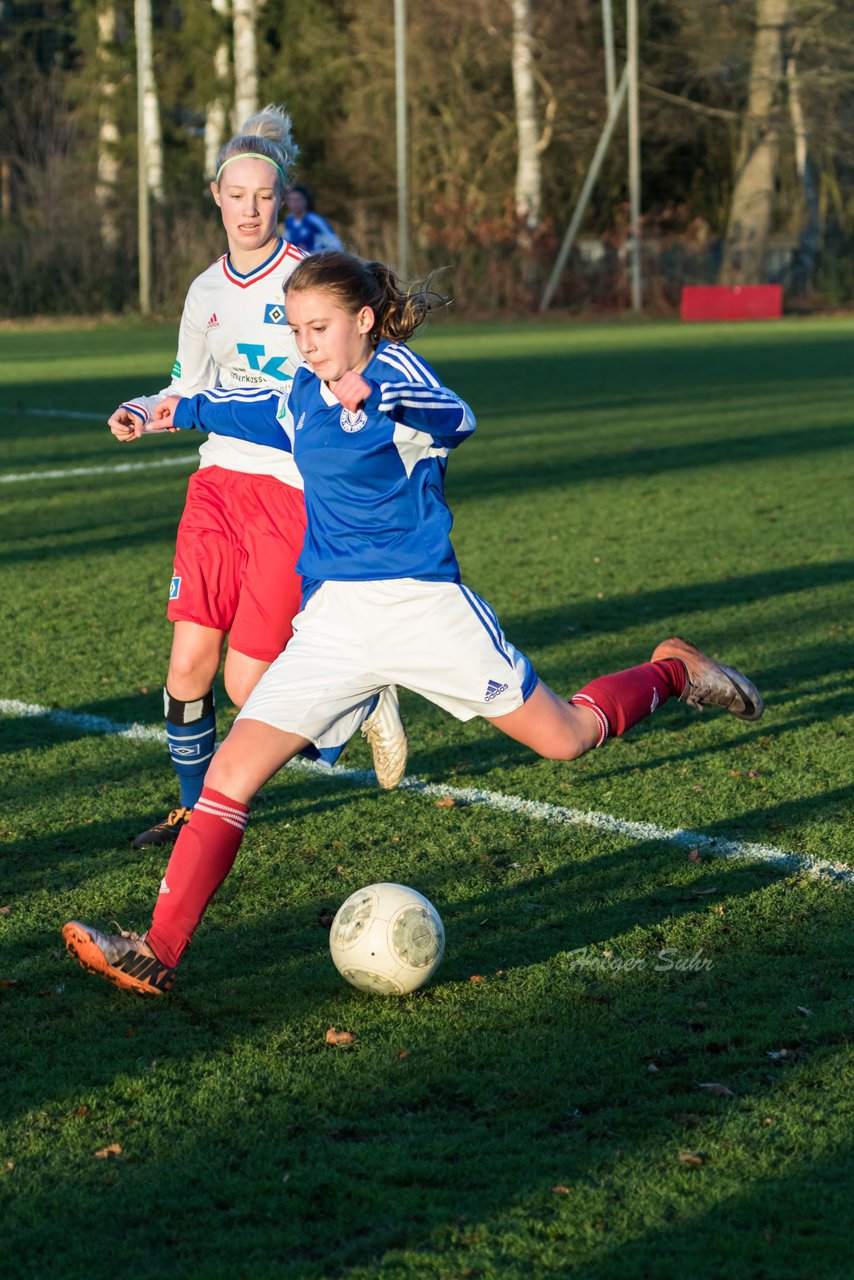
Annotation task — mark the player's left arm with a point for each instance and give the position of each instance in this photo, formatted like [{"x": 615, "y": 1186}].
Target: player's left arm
[{"x": 435, "y": 410}]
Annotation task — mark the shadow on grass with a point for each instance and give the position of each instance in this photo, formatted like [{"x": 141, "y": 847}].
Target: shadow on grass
[{"x": 245, "y": 1137}]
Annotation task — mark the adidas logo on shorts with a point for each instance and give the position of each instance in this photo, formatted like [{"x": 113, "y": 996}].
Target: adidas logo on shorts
[{"x": 493, "y": 689}]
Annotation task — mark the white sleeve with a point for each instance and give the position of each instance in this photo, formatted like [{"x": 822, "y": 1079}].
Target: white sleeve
[{"x": 194, "y": 369}]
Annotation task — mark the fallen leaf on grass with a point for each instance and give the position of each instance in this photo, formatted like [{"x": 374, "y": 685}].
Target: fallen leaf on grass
[
  {"x": 112, "y": 1150},
  {"x": 82, "y": 1110},
  {"x": 447, "y": 803},
  {"x": 745, "y": 773},
  {"x": 690, "y": 1157},
  {"x": 476, "y": 977},
  {"x": 4, "y": 911},
  {"x": 717, "y": 1090},
  {"x": 561, "y": 1190},
  {"x": 340, "y": 1038},
  {"x": 401, "y": 1054},
  {"x": 694, "y": 856}
]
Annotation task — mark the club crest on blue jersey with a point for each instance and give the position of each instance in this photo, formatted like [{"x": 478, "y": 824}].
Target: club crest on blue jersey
[
  {"x": 174, "y": 588},
  {"x": 274, "y": 313},
  {"x": 353, "y": 421}
]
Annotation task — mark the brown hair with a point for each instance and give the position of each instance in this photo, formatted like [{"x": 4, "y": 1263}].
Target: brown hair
[{"x": 355, "y": 283}]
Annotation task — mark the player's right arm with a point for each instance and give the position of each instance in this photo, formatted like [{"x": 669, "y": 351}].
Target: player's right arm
[
  {"x": 194, "y": 369},
  {"x": 244, "y": 414}
]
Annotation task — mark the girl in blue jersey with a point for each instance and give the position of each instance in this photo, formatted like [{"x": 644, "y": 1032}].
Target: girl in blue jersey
[
  {"x": 372, "y": 427},
  {"x": 303, "y": 226}
]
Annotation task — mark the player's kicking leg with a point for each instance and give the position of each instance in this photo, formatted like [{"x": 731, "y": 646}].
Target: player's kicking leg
[
  {"x": 609, "y": 705},
  {"x": 385, "y": 732}
]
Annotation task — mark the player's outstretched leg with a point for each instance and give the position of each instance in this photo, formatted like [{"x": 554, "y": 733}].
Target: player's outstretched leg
[
  {"x": 385, "y": 732},
  {"x": 711, "y": 684},
  {"x": 123, "y": 958}
]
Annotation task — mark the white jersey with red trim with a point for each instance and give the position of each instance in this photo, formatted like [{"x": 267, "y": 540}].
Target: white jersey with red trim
[{"x": 234, "y": 333}]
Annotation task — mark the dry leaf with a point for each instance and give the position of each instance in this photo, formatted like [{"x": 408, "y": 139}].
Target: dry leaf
[
  {"x": 718, "y": 1090},
  {"x": 694, "y": 856},
  {"x": 82, "y": 1110},
  {"x": 341, "y": 1038},
  {"x": 401, "y": 1054},
  {"x": 476, "y": 977},
  {"x": 689, "y": 1157},
  {"x": 561, "y": 1190},
  {"x": 4, "y": 911},
  {"x": 448, "y": 802},
  {"x": 112, "y": 1150}
]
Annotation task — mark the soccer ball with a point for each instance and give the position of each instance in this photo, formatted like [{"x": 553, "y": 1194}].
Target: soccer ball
[{"x": 387, "y": 938}]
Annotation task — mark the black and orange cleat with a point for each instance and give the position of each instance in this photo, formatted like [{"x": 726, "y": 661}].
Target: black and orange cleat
[
  {"x": 709, "y": 683},
  {"x": 165, "y": 832},
  {"x": 123, "y": 958}
]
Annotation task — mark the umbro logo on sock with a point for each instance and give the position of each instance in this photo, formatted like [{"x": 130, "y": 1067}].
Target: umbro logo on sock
[
  {"x": 164, "y": 888},
  {"x": 493, "y": 689}
]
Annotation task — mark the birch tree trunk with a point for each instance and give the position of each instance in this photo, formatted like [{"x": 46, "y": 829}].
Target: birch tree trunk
[
  {"x": 217, "y": 111},
  {"x": 107, "y": 181},
  {"x": 528, "y": 168},
  {"x": 150, "y": 103},
  {"x": 811, "y": 233},
  {"x": 245, "y": 61},
  {"x": 752, "y": 205}
]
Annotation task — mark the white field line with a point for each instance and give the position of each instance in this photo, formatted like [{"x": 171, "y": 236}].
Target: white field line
[
  {"x": 181, "y": 460},
  {"x": 54, "y": 413},
  {"x": 536, "y": 809}
]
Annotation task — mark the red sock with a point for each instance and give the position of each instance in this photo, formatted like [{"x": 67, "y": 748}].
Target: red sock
[
  {"x": 624, "y": 698},
  {"x": 204, "y": 854}
]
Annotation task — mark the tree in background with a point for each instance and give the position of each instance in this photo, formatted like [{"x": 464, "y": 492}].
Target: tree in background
[
  {"x": 478, "y": 154},
  {"x": 754, "y": 190}
]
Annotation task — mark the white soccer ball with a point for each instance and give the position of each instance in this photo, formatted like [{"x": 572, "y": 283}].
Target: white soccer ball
[{"x": 387, "y": 938}]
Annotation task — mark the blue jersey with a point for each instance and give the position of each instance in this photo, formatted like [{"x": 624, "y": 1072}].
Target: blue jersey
[
  {"x": 374, "y": 479},
  {"x": 311, "y": 233}
]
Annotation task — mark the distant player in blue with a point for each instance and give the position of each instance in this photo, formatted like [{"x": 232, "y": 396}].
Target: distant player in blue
[
  {"x": 371, "y": 428},
  {"x": 305, "y": 228}
]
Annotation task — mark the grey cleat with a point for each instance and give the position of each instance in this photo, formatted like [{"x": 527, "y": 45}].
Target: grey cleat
[{"x": 709, "y": 683}]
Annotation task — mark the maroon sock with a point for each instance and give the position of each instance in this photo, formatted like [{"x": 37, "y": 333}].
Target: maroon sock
[
  {"x": 622, "y": 699},
  {"x": 204, "y": 854}
]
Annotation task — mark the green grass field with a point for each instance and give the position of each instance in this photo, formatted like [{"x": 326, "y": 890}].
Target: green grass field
[{"x": 561, "y": 1100}]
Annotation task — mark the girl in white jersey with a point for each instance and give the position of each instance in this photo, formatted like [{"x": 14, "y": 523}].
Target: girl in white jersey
[
  {"x": 244, "y": 520},
  {"x": 372, "y": 428}
]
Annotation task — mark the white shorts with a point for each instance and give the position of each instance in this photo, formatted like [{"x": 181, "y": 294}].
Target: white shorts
[{"x": 353, "y": 638}]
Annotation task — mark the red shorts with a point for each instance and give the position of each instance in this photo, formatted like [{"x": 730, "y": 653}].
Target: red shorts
[{"x": 235, "y": 559}]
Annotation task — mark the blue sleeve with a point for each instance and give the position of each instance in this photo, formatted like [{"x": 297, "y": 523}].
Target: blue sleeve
[
  {"x": 245, "y": 415},
  {"x": 437, "y": 411}
]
